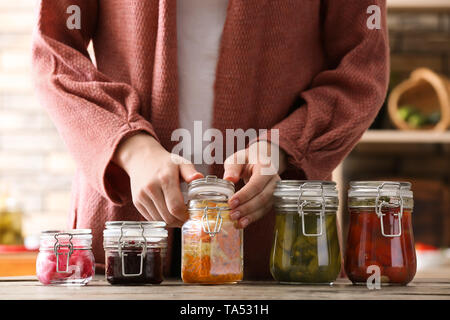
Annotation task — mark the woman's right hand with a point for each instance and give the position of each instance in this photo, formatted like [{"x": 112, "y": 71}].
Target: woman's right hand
[{"x": 155, "y": 178}]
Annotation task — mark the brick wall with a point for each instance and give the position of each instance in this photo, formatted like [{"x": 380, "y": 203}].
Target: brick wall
[
  {"x": 34, "y": 164},
  {"x": 33, "y": 160}
]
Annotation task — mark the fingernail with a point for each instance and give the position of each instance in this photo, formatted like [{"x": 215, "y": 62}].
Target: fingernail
[
  {"x": 244, "y": 222},
  {"x": 235, "y": 215},
  {"x": 234, "y": 203},
  {"x": 196, "y": 176}
]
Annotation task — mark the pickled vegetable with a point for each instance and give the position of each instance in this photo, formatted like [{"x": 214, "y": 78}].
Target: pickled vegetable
[
  {"x": 305, "y": 259},
  {"x": 80, "y": 269},
  {"x": 366, "y": 245},
  {"x": 211, "y": 258}
]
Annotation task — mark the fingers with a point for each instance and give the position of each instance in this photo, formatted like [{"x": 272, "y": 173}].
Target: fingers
[
  {"x": 152, "y": 204},
  {"x": 172, "y": 194},
  {"x": 254, "y": 186},
  {"x": 146, "y": 207},
  {"x": 188, "y": 172},
  {"x": 143, "y": 211},
  {"x": 159, "y": 201},
  {"x": 253, "y": 204},
  {"x": 234, "y": 165},
  {"x": 252, "y": 217},
  {"x": 155, "y": 188},
  {"x": 255, "y": 198}
]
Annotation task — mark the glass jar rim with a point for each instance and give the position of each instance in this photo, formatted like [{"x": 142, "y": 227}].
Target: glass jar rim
[
  {"x": 373, "y": 189},
  {"x": 290, "y": 189},
  {"x": 376, "y": 183},
  {"x": 290, "y": 195},
  {"x": 75, "y": 233},
  {"x": 135, "y": 229},
  {"x": 210, "y": 185}
]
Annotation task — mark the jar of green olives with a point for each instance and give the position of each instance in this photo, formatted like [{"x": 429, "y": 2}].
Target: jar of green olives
[{"x": 306, "y": 244}]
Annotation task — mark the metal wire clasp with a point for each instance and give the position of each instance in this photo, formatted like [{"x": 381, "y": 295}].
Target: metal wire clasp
[
  {"x": 122, "y": 245},
  {"x": 58, "y": 246},
  {"x": 304, "y": 203},
  {"x": 379, "y": 209},
  {"x": 205, "y": 220}
]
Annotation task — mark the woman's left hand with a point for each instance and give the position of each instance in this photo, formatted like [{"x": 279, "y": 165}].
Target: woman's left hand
[{"x": 260, "y": 173}]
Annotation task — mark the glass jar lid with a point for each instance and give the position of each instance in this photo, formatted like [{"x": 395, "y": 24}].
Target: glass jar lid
[
  {"x": 307, "y": 197},
  {"x": 369, "y": 194},
  {"x": 373, "y": 189},
  {"x": 135, "y": 230},
  {"x": 289, "y": 195},
  {"x": 382, "y": 196},
  {"x": 211, "y": 188},
  {"x": 65, "y": 235}
]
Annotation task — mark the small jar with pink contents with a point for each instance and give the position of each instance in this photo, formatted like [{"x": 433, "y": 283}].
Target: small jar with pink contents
[{"x": 65, "y": 257}]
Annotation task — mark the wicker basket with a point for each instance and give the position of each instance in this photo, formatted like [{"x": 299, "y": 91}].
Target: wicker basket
[{"x": 427, "y": 91}]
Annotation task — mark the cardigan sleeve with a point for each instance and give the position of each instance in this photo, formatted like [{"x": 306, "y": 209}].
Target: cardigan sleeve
[
  {"x": 91, "y": 112},
  {"x": 343, "y": 100}
]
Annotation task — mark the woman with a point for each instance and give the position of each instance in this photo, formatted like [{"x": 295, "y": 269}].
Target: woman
[{"x": 312, "y": 71}]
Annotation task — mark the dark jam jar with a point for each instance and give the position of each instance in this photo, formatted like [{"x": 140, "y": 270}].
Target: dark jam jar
[
  {"x": 134, "y": 252},
  {"x": 380, "y": 232}
]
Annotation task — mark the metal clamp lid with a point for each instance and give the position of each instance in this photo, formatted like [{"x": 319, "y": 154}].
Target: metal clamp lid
[
  {"x": 219, "y": 220},
  {"x": 379, "y": 209},
  {"x": 56, "y": 249},
  {"x": 287, "y": 193},
  {"x": 302, "y": 204},
  {"x": 122, "y": 245}
]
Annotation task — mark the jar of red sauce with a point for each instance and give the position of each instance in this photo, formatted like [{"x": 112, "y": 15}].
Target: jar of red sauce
[{"x": 380, "y": 232}]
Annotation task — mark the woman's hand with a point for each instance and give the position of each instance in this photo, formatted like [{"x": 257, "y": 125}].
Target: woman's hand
[
  {"x": 155, "y": 178},
  {"x": 256, "y": 167}
]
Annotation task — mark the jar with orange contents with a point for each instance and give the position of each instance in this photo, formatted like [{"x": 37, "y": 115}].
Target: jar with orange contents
[
  {"x": 380, "y": 232},
  {"x": 212, "y": 246}
]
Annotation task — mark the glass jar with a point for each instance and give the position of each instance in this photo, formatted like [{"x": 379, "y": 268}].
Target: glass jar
[
  {"x": 212, "y": 246},
  {"x": 134, "y": 251},
  {"x": 65, "y": 257},
  {"x": 306, "y": 244},
  {"x": 380, "y": 232},
  {"x": 10, "y": 221}
]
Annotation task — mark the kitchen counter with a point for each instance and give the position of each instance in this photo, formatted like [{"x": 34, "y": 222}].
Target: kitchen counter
[{"x": 431, "y": 285}]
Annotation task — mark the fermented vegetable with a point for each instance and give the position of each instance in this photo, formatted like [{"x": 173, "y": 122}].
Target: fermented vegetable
[
  {"x": 305, "y": 259},
  {"x": 380, "y": 232},
  {"x": 208, "y": 257}
]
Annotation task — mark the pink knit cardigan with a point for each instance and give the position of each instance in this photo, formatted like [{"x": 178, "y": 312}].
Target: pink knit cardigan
[{"x": 310, "y": 68}]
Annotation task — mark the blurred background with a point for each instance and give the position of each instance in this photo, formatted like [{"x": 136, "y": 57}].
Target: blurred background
[{"x": 409, "y": 140}]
